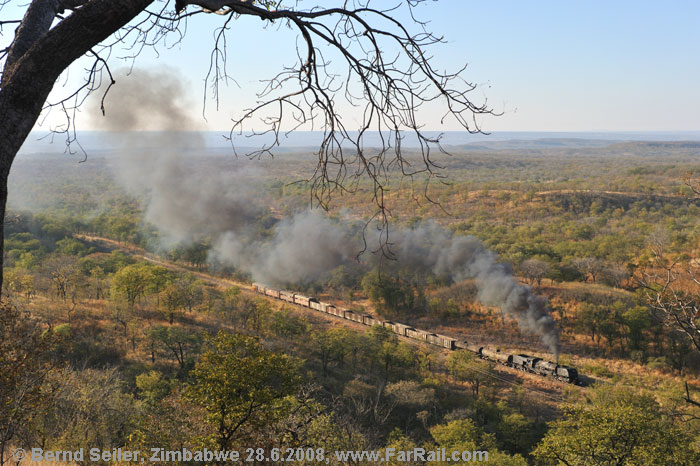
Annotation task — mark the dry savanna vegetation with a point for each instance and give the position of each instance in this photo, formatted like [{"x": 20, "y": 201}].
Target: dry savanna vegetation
[{"x": 129, "y": 340}]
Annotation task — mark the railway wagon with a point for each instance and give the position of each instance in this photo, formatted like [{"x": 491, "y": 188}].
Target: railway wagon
[
  {"x": 325, "y": 307},
  {"x": 316, "y": 305},
  {"x": 497, "y": 355},
  {"x": 474, "y": 348},
  {"x": 354, "y": 316},
  {"x": 369, "y": 320},
  {"x": 412, "y": 333},
  {"x": 461, "y": 344},
  {"x": 401, "y": 328},
  {"x": 388, "y": 324},
  {"x": 421, "y": 335},
  {"x": 302, "y": 300},
  {"x": 446, "y": 342},
  {"x": 520, "y": 361}
]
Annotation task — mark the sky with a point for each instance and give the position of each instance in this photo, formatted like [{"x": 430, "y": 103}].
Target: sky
[{"x": 547, "y": 65}]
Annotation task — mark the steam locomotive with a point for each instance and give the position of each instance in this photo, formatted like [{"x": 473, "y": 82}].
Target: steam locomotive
[{"x": 522, "y": 362}]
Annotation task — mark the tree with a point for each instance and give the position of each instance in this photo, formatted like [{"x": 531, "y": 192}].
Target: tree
[
  {"x": 390, "y": 295},
  {"x": 467, "y": 367},
  {"x": 63, "y": 272},
  {"x": 132, "y": 282},
  {"x": 588, "y": 267},
  {"x": 24, "y": 366},
  {"x": 463, "y": 435},
  {"x": 637, "y": 320},
  {"x": 589, "y": 319},
  {"x": 387, "y": 353},
  {"x": 617, "y": 427},
  {"x": 535, "y": 270},
  {"x": 329, "y": 344},
  {"x": 178, "y": 342},
  {"x": 238, "y": 383},
  {"x": 671, "y": 286},
  {"x": 382, "y": 66},
  {"x": 90, "y": 409}
]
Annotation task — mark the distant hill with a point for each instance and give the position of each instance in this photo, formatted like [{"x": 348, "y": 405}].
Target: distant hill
[{"x": 215, "y": 142}]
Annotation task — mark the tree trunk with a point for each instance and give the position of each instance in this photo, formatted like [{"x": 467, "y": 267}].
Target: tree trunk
[
  {"x": 37, "y": 57},
  {"x": 3, "y": 202}
]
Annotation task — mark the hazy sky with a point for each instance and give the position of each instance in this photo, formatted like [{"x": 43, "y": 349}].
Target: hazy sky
[{"x": 549, "y": 65}]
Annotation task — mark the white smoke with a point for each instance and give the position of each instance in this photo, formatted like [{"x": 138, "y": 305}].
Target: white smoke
[{"x": 186, "y": 201}]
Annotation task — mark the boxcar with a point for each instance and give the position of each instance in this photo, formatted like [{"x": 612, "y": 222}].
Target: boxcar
[
  {"x": 287, "y": 296},
  {"x": 259, "y": 288},
  {"x": 412, "y": 333},
  {"x": 421, "y": 335},
  {"x": 272, "y": 292},
  {"x": 314, "y": 304},
  {"x": 447, "y": 342},
  {"x": 324, "y": 307},
  {"x": 401, "y": 328},
  {"x": 331, "y": 309},
  {"x": 369, "y": 320},
  {"x": 301, "y": 300}
]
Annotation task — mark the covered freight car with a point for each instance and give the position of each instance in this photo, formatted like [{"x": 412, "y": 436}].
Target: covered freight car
[
  {"x": 446, "y": 342},
  {"x": 301, "y": 300},
  {"x": 369, "y": 320},
  {"x": 401, "y": 328},
  {"x": 316, "y": 305}
]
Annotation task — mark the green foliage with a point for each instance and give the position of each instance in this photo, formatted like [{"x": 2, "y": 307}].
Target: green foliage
[
  {"x": 390, "y": 295},
  {"x": 286, "y": 324},
  {"x": 24, "y": 364},
  {"x": 617, "y": 427},
  {"x": 467, "y": 367},
  {"x": 239, "y": 384},
  {"x": 464, "y": 435},
  {"x": 153, "y": 387},
  {"x": 90, "y": 409},
  {"x": 177, "y": 343},
  {"x": 132, "y": 282},
  {"x": 71, "y": 247}
]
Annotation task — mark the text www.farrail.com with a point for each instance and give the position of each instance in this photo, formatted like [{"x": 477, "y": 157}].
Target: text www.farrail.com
[{"x": 252, "y": 455}]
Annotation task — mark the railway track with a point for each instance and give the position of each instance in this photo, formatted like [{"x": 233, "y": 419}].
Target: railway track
[{"x": 522, "y": 362}]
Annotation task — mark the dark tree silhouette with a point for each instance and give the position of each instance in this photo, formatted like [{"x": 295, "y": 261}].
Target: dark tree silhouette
[{"x": 354, "y": 53}]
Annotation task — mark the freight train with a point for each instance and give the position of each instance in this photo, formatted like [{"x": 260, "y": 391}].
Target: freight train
[{"x": 522, "y": 362}]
